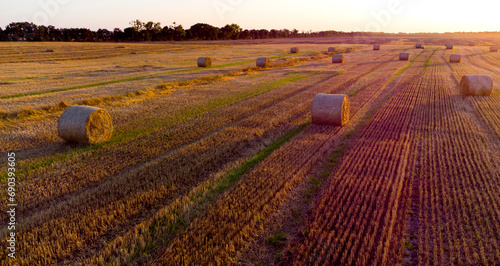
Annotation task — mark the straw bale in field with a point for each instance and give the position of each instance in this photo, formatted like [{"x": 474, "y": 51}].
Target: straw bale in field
[
  {"x": 338, "y": 58},
  {"x": 455, "y": 58},
  {"x": 263, "y": 62},
  {"x": 204, "y": 62},
  {"x": 330, "y": 109},
  {"x": 85, "y": 124},
  {"x": 376, "y": 47},
  {"x": 494, "y": 49},
  {"x": 404, "y": 56},
  {"x": 476, "y": 85},
  {"x": 331, "y": 49}
]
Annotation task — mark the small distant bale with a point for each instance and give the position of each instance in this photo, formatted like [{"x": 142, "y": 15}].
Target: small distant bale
[
  {"x": 49, "y": 51},
  {"x": 338, "y": 58},
  {"x": 294, "y": 50},
  {"x": 330, "y": 109},
  {"x": 404, "y": 56},
  {"x": 449, "y": 46},
  {"x": 476, "y": 85},
  {"x": 263, "y": 62},
  {"x": 494, "y": 49},
  {"x": 472, "y": 44},
  {"x": 204, "y": 62},
  {"x": 133, "y": 53},
  {"x": 376, "y": 47},
  {"x": 85, "y": 124},
  {"x": 331, "y": 49},
  {"x": 455, "y": 58},
  {"x": 418, "y": 45}
]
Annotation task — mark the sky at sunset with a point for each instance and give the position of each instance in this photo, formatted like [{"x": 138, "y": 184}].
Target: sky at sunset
[{"x": 315, "y": 15}]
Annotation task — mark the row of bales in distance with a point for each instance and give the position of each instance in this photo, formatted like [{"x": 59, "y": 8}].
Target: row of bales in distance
[{"x": 91, "y": 125}]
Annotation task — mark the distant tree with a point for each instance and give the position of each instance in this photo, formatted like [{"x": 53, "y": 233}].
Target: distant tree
[
  {"x": 118, "y": 34},
  {"x": 273, "y": 33},
  {"x": 245, "y": 35},
  {"x": 137, "y": 24},
  {"x": 104, "y": 35},
  {"x": 263, "y": 34},
  {"x": 229, "y": 32},
  {"x": 179, "y": 33},
  {"x": 21, "y": 31},
  {"x": 3, "y": 36},
  {"x": 204, "y": 31},
  {"x": 130, "y": 34}
]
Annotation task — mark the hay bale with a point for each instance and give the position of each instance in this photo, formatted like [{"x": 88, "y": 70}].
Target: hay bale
[
  {"x": 376, "y": 47},
  {"x": 418, "y": 45},
  {"x": 85, "y": 124},
  {"x": 455, "y": 58},
  {"x": 494, "y": 49},
  {"x": 338, "y": 58},
  {"x": 449, "y": 46},
  {"x": 476, "y": 85},
  {"x": 472, "y": 44},
  {"x": 404, "y": 56},
  {"x": 204, "y": 62},
  {"x": 330, "y": 109},
  {"x": 331, "y": 49},
  {"x": 263, "y": 62},
  {"x": 294, "y": 50}
]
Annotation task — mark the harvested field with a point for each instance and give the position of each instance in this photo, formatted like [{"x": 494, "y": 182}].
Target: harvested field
[{"x": 222, "y": 164}]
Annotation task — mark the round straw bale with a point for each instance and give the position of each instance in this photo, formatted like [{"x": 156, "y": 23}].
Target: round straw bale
[
  {"x": 204, "y": 62},
  {"x": 331, "y": 49},
  {"x": 338, "y": 58},
  {"x": 85, "y": 124},
  {"x": 294, "y": 50},
  {"x": 404, "y": 56},
  {"x": 455, "y": 58},
  {"x": 263, "y": 62},
  {"x": 449, "y": 46},
  {"x": 476, "y": 85},
  {"x": 418, "y": 45},
  {"x": 376, "y": 47},
  {"x": 494, "y": 49},
  {"x": 330, "y": 109}
]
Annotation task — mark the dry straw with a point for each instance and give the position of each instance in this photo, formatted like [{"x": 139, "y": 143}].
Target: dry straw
[
  {"x": 263, "y": 62},
  {"x": 455, "y": 58},
  {"x": 376, "y": 47},
  {"x": 449, "y": 46},
  {"x": 476, "y": 85},
  {"x": 204, "y": 62},
  {"x": 330, "y": 109},
  {"x": 331, "y": 49},
  {"x": 494, "y": 49},
  {"x": 294, "y": 50},
  {"x": 418, "y": 45},
  {"x": 85, "y": 124},
  {"x": 404, "y": 56},
  {"x": 338, "y": 58}
]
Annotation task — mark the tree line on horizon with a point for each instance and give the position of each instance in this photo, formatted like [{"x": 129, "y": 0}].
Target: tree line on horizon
[{"x": 152, "y": 31}]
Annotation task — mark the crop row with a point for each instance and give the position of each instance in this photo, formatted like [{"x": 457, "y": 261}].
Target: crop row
[
  {"x": 58, "y": 212},
  {"x": 236, "y": 219}
]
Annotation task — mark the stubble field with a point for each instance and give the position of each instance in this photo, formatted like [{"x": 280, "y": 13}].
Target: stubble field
[{"x": 223, "y": 165}]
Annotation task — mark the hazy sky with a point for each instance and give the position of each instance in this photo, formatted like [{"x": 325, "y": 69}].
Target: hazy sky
[{"x": 316, "y": 15}]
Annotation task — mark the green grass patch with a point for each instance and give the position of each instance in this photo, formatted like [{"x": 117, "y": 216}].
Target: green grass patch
[{"x": 277, "y": 240}]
